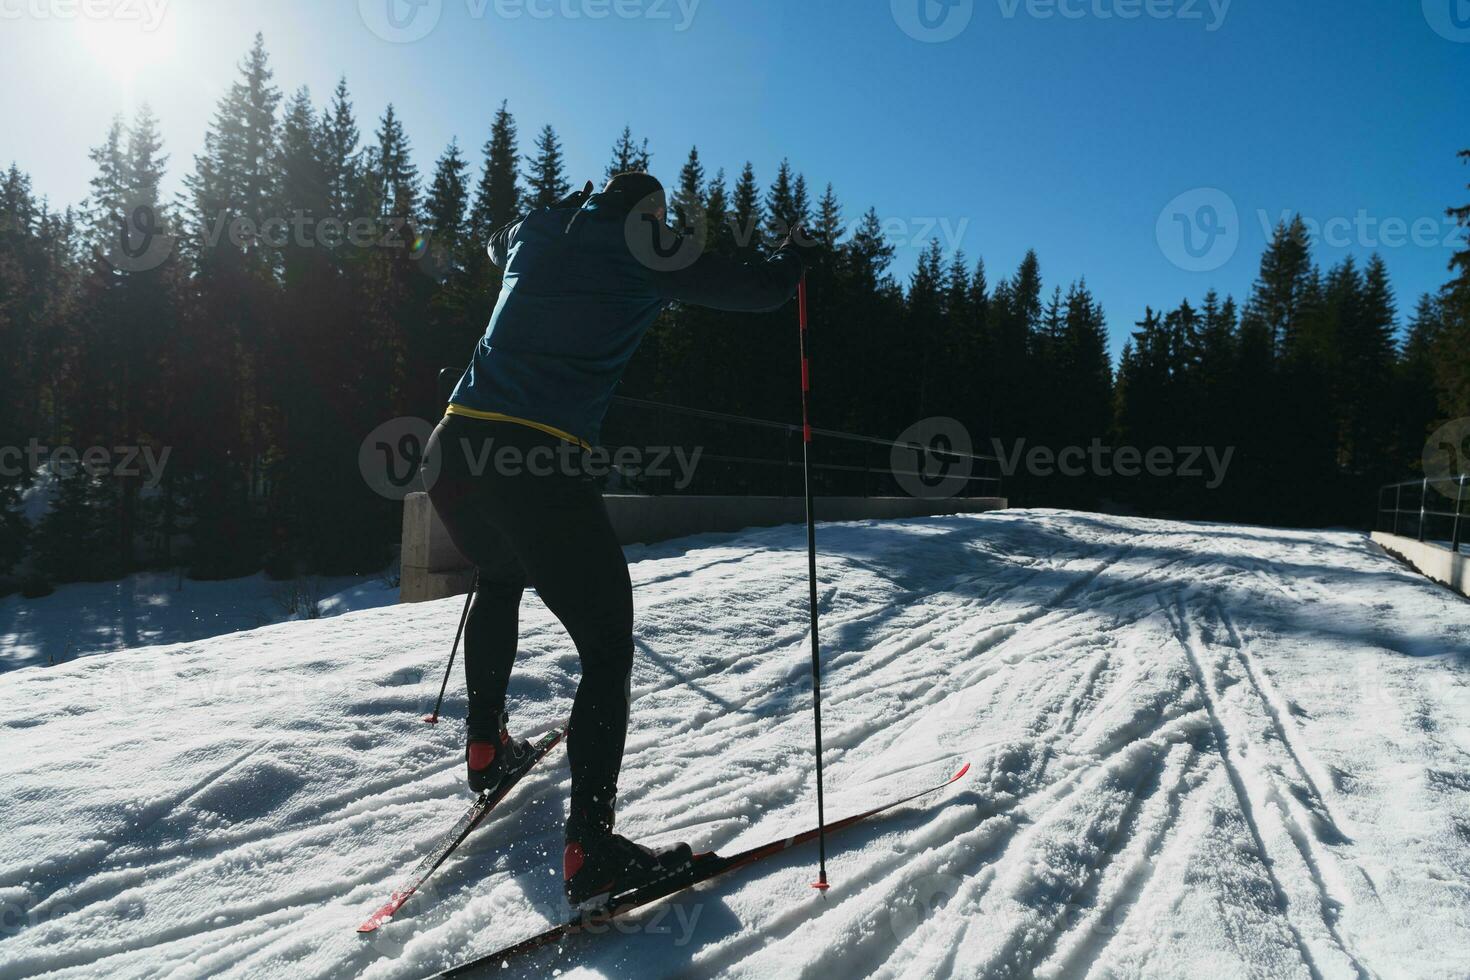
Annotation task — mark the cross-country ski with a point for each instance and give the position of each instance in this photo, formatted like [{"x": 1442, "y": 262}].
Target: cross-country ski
[
  {"x": 704, "y": 867},
  {"x": 473, "y": 817}
]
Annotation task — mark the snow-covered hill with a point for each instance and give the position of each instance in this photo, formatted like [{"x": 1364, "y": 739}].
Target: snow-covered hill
[{"x": 1199, "y": 750}]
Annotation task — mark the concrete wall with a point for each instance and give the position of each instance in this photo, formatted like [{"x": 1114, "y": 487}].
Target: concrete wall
[
  {"x": 1437, "y": 562},
  {"x": 433, "y": 567}
]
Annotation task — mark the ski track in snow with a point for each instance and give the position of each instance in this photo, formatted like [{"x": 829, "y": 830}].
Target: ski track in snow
[{"x": 1199, "y": 750}]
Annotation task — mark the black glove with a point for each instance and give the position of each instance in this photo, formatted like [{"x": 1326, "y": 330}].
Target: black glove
[
  {"x": 803, "y": 242},
  {"x": 575, "y": 199}
]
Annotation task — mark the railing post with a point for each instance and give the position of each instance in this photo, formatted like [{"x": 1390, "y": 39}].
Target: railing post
[
  {"x": 1423, "y": 504},
  {"x": 1455, "y": 528},
  {"x": 1398, "y": 505}
]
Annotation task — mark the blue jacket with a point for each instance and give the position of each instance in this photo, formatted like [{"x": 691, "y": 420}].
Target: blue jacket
[{"x": 576, "y": 301}]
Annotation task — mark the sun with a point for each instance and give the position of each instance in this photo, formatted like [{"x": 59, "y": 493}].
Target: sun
[{"x": 126, "y": 46}]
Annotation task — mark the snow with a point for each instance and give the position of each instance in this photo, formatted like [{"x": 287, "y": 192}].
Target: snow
[
  {"x": 1199, "y": 750},
  {"x": 152, "y": 608}
]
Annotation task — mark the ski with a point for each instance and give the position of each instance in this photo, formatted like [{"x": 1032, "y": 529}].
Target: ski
[
  {"x": 706, "y": 866},
  {"x": 472, "y": 818}
]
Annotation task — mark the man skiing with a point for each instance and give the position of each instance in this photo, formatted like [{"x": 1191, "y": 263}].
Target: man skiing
[{"x": 583, "y": 281}]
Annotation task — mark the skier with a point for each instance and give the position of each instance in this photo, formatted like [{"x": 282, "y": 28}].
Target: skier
[{"x": 581, "y": 286}]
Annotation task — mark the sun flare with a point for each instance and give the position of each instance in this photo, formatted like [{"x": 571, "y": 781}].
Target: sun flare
[{"x": 125, "y": 47}]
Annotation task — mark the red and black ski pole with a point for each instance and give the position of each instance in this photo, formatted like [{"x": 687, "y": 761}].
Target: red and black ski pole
[
  {"x": 811, "y": 560},
  {"x": 433, "y": 719}
]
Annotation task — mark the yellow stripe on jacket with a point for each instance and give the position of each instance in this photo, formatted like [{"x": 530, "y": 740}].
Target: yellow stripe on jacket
[{"x": 475, "y": 413}]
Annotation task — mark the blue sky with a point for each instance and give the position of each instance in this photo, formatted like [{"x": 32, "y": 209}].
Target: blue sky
[{"x": 1116, "y": 137}]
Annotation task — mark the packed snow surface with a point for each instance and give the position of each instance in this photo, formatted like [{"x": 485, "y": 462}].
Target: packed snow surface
[{"x": 1199, "y": 750}]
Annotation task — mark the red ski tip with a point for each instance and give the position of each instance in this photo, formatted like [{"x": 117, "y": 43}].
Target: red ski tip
[
  {"x": 430, "y": 720},
  {"x": 385, "y": 913},
  {"x": 959, "y": 775}
]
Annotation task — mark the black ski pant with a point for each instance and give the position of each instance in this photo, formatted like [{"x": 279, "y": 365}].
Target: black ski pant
[{"x": 517, "y": 503}]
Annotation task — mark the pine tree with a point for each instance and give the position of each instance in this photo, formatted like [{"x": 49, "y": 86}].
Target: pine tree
[
  {"x": 781, "y": 203},
  {"x": 394, "y": 177},
  {"x": 870, "y": 254},
  {"x": 828, "y": 225},
  {"x": 717, "y": 215},
  {"x": 24, "y": 285},
  {"x": 1415, "y": 402},
  {"x": 73, "y": 540},
  {"x": 235, "y": 178},
  {"x": 444, "y": 216},
  {"x": 1279, "y": 292},
  {"x": 341, "y": 154},
  {"x": 1365, "y": 376},
  {"x": 913, "y": 356},
  {"x": 1452, "y": 344},
  {"x": 304, "y": 201},
  {"x": 747, "y": 216},
  {"x": 498, "y": 194},
  {"x": 689, "y": 196},
  {"x": 801, "y": 203},
  {"x": 107, "y": 206},
  {"x": 628, "y": 156},
  {"x": 547, "y": 182}
]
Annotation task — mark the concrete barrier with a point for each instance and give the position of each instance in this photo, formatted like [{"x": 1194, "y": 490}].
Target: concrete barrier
[
  {"x": 433, "y": 568},
  {"x": 1435, "y": 561}
]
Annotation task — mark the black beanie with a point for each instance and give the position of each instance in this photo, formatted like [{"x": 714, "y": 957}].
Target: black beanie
[{"x": 633, "y": 187}]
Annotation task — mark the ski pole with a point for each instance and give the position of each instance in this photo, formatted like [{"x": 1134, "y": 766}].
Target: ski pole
[
  {"x": 811, "y": 561},
  {"x": 433, "y": 719}
]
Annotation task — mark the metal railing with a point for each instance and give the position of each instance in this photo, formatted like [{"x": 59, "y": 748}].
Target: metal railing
[
  {"x": 1429, "y": 509},
  {"x": 747, "y": 456}
]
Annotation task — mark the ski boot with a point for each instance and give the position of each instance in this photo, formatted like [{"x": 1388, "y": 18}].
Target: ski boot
[
  {"x": 602, "y": 866},
  {"x": 489, "y": 762}
]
